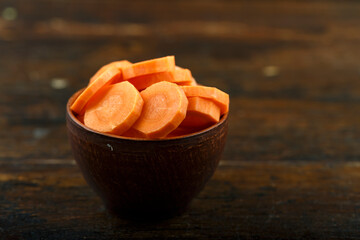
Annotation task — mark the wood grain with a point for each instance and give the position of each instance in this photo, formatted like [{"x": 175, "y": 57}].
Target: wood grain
[
  {"x": 290, "y": 166},
  {"x": 244, "y": 200}
]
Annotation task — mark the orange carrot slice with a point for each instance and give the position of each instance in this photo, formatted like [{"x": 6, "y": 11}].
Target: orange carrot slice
[
  {"x": 133, "y": 134},
  {"x": 201, "y": 112},
  {"x": 109, "y": 76},
  {"x": 81, "y": 118},
  {"x": 145, "y": 81},
  {"x": 114, "y": 109},
  {"x": 164, "y": 64},
  {"x": 219, "y": 97},
  {"x": 164, "y": 109},
  {"x": 192, "y": 82},
  {"x": 180, "y": 76},
  {"x": 118, "y": 64},
  {"x": 181, "y": 131}
]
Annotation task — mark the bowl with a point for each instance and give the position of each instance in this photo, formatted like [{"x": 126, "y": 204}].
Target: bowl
[{"x": 142, "y": 179}]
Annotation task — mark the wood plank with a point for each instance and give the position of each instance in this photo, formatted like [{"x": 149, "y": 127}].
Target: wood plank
[
  {"x": 259, "y": 129},
  {"x": 292, "y": 17},
  {"x": 232, "y": 46},
  {"x": 305, "y": 67},
  {"x": 293, "y": 130},
  {"x": 160, "y": 10},
  {"x": 297, "y": 200}
]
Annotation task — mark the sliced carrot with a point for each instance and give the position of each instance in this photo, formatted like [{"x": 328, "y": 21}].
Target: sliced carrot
[
  {"x": 201, "y": 112},
  {"x": 164, "y": 64},
  {"x": 219, "y": 97},
  {"x": 81, "y": 118},
  {"x": 164, "y": 109},
  {"x": 133, "y": 134},
  {"x": 182, "y": 75},
  {"x": 109, "y": 76},
  {"x": 192, "y": 82},
  {"x": 118, "y": 64},
  {"x": 145, "y": 81},
  {"x": 114, "y": 109},
  {"x": 181, "y": 131},
  {"x": 171, "y": 102}
]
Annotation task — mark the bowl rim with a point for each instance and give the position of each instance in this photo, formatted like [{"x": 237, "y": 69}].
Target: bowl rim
[{"x": 75, "y": 120}]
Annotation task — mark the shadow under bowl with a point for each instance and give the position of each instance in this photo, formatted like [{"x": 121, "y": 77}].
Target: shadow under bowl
[{"x": 146, "y": 179}]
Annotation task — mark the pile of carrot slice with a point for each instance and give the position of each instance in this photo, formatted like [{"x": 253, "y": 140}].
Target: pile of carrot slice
[{"x": 151, "y": 99}]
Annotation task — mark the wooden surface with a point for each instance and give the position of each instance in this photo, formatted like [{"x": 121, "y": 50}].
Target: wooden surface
[{"x": 291, "y": 166}]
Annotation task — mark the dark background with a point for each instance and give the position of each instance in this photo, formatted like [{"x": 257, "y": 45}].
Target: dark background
[{"x": 292, "y": 68}]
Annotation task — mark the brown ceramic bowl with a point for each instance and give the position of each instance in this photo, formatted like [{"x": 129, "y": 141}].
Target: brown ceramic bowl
[{"x": 141, "y": 179}]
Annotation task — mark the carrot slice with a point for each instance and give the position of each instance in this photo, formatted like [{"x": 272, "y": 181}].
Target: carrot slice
[
  {"x": 145, "y": 81},
  {"x": 118, "y": 64},
  {"x": 182, "y": 75},
  {"x": 179, "y": 76},
  {"x": 133, "y": 133},
  {"x": 201, "y": 112},
  {"x": 219, "y": 97},
  {"x": 114, "y": 109},
  {"x": 81, "y": 118},
  {"x": 181, "y": 131},
  {"x": 164, "y": 64},
  {"x": 192, "y": 82},
  {"x": 164, "y": 109},
  {"x": 109, "y": 76}
]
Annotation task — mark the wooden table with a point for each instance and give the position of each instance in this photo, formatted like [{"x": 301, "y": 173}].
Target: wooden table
[{"x": 291, "y": 167}]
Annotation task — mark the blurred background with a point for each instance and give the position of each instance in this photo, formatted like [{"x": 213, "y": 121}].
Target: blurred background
[{"x": 282, "y": 62}]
